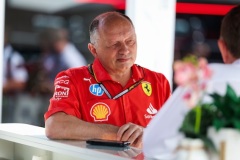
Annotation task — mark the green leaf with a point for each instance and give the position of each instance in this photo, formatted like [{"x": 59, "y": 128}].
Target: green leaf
[
  {"x": 231, "y": 93},
  {"x": 227, "y": 109},
  {"x": 191, "y": 59},
  {"x": 219, "y": 123},
  {"x": 236, "y": 123},
  {"x": 209, "y": 144},
  {"x": 189, "y": 124}
]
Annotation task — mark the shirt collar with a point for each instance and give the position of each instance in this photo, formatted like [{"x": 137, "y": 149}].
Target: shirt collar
[
  {"x": 236, "y": 62},
  {"x": 99, "y": 71},
  {"x": 102, "y": 75}
]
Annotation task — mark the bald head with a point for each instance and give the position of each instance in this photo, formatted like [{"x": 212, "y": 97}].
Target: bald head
[{"x": 105, "y": 20}]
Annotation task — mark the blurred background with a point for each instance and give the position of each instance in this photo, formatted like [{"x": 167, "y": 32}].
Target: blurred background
[{"x": 40, "y": 31}]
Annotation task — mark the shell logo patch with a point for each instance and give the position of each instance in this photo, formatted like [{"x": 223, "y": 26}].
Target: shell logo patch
[
  {"x": 100, "y": 112},
  {"x": 147, "y": 88}
]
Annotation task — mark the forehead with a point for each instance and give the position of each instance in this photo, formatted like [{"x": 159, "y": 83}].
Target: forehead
[
  {"x": 115, "y": 25},
  {"x": 108, "y": 19}
]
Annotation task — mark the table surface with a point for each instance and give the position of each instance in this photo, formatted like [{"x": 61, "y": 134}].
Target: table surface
[{"x": 35, "y": 136}]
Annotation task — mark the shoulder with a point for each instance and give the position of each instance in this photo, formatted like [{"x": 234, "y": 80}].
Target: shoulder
[
  {"x": 153, "y": 74},
  {"x": 74, "y": 73},
  {"x": 155, "y": 77},
  {"x": 223, "y": 74},
  {"x": 9, "y": 51},
  {"x": 225, "y": 71},
  {"x": 219, "y": 67},
  {"x": 16, "y": 57}
]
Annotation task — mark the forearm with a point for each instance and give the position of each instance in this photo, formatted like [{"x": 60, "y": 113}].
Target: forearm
[{"x": 63, "y": 126}]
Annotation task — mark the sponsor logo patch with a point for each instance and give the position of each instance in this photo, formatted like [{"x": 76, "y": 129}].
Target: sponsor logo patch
[
  {"x": 151, "y": 112},
  {"x": 87, "y": 79},
  {"x": 147, "y": 116},
  {"x": 151, "y": 109},
  {"x": 62, "y": 77},
  {"x": 100, "y": 112},
  {"x": 62, "y": 82},
  {"x": 147, "y": 88},
  {"x": 61, "y": 92},
  {"x": 96, "y": 90}
]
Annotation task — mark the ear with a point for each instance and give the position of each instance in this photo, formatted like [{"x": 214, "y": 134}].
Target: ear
[
  {"x": 92, "y": 49},
  {"x": 223, "y": 49}
]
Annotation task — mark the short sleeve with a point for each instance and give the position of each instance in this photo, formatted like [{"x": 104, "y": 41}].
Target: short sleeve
[{"x": 65, "y": 97}]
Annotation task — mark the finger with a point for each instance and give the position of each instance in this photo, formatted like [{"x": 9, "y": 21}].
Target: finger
[
  {"x": 121, "y": 131},
  {"x": 138, "y": 142},
  {"x": 132, "y": 134},
  {"x": 132, "y": 131},
  {"x": 136, "y": 137}
]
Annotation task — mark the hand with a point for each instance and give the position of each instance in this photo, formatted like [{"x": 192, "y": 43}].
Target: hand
[{"x": 132, "y": 133}]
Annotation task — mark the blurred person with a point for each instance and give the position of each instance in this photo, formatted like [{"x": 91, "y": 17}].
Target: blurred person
[
  {"x": 15, "y": 74},
  {"x": 15, "y": 77},
  {"x": 58, "y": 54},
  {"x": 161, "y": 139},
  {"x": 230, "y": 37},
  {"x": 113, "y": 98}
]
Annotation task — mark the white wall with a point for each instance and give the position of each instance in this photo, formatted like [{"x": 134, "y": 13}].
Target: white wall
[
  {"x": 154, "y": 22},
  {"x": 2, "y": 17}
]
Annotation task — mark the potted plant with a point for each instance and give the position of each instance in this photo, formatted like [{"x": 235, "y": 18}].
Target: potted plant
[
  {"x": 193, "y": 73},
  {"x": 216, "y": 123},
  {"x": 225, "y": 130}
]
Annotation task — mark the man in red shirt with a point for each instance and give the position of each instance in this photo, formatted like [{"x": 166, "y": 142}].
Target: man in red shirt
[{"x": 113, "y": 98}]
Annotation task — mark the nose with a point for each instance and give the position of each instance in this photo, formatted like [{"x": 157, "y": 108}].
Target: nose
[{"x": 124, "y": 49}]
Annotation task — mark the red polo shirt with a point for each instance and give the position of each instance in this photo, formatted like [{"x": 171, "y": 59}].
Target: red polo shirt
[{"x": 78, "y": 93}]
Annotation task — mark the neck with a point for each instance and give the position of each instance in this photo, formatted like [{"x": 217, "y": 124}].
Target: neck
[
  {"x": 230, "y": 59},
  {"x": 121, "y": 78}
]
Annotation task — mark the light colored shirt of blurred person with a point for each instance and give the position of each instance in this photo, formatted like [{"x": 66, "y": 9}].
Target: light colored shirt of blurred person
[
  {"x": 58, "y": 54},
  {"x": 15, "y": 74}
]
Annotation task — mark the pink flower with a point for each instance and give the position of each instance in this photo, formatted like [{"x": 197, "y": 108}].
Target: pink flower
[
  {"x": 191, "y": 98},
  {"x": 192, "y": 74},
  {"x": 205, "y": 71},
  {"x": 185, "y": 73}
]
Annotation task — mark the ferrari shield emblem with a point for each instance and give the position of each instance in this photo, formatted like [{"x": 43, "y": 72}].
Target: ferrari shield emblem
[{"x": 147, "y": 88}]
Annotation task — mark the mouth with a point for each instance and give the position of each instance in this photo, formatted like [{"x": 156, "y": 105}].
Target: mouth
[{"x": 123, "y": 59}]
